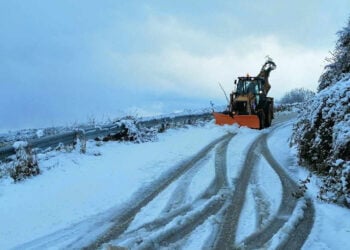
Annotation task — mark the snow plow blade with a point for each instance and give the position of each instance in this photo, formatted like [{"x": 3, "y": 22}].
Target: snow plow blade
[{"x": 250, "y": 121}]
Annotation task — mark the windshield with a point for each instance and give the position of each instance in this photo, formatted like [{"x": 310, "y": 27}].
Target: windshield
[{"x": 248, "y": 86}]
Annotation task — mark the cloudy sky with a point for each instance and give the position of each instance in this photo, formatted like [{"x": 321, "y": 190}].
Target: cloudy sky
[{"x": 66, "y": 61}]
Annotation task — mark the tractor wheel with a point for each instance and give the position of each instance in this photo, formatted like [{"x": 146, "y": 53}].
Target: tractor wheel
[
  {"x": 268, "y": 117},
  {"x": 262, "y": 119}
]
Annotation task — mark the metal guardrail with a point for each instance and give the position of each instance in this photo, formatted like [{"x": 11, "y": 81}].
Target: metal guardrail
[
  {"x": 174, "y": 121},
  {"x": 6, "y": 152},
  {"x": 94, "y": 132}
]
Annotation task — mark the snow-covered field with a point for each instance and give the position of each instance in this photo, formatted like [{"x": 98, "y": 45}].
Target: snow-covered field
[{"x": 74, "y": 187}]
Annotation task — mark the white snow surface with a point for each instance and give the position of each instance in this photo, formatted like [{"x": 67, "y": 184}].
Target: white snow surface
[
  {"x": 19, "y": 144},
  {"x": 331, "y": 228},
  {"x": 74, "y": 187}
]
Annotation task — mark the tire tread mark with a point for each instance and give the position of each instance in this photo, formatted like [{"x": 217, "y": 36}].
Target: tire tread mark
[
  {"x": 302, "y": 230},
  {"x": 196, "y": 218},
  {"x": 226, "y": 235},
  {"x": 122, "y": 221},
  {"x": 288, "y": 204}
]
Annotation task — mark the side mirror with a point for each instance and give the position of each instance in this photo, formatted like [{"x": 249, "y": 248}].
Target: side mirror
[{"x": 235, "y": 82}]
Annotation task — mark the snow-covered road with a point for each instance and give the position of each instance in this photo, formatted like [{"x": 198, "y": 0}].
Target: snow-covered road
[{"x": 197, "y": 187}]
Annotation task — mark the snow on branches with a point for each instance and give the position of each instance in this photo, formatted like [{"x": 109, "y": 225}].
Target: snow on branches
[
  {"x": 322, "y": 134},
  {"x": 339, "y": 62},
  {"x": 25, "y": 164}
]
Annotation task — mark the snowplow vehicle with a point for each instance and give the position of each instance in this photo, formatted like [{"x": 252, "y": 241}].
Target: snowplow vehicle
[{"x": 248, "y": 104}]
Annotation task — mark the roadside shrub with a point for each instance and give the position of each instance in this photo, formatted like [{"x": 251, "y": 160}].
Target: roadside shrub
[
  {"x": 322, "y": 132},
  {"x": 132, "y": 132},
  {"x": 25, "y": 165},
  {"x": 322, "y": 135}
]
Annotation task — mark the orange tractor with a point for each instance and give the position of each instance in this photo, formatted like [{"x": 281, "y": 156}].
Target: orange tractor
[{"x": 248, "y": 104}]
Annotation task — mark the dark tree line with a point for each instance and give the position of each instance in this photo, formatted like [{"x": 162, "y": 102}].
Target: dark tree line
[{"x": 297, "y": 96}]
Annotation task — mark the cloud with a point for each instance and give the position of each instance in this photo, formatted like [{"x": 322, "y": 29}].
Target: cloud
[
  {"x": 189, "y": 62},
  {"x": 110, "y": 63}
]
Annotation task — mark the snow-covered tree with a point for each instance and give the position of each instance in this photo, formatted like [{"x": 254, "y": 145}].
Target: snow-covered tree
[
  {"x": 322, "y": 132},
  {"x": 339, "y": 62},
  {"x": 296, "y": 96}
]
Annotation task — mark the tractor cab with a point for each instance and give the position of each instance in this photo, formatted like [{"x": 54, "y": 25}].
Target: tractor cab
[
  {"x": 250, "y": 85},
  {"x": 248, "y": 95}
]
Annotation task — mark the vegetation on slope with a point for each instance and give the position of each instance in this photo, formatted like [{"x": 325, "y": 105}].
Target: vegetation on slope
[{"x": 322, "y": 132}]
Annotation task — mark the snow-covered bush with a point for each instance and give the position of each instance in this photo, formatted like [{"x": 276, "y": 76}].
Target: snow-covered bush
[
  {"x": 25, "y": 164},
  {"x": 132, "y": 132},
  {"x": 339, "y": 62},
  {"x": 138, "y": 134},
  {"x": 322, "y": 132}
]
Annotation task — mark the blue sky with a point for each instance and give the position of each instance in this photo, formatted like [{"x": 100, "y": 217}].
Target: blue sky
[{"x": 71, "y": 61}]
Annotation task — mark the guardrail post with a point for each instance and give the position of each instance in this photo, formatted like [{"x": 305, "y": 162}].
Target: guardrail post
[{"x": 80, "y": 141}]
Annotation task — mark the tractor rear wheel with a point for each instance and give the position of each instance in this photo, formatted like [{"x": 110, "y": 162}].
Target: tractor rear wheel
[
  {"x": 268, "y": 116},
  {"x": 261, "y": 115}
]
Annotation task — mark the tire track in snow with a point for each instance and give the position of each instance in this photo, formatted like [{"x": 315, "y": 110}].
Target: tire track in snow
[
  {"x": 112, "y": 223},
  {"x": 288, "y": 203},
  {"x": 218, "y": 192},
  {"x": 287, "y": 206},
  {"x": 122, "y": 221},
  {"x": 210, "y": 202},
  {"x": 302, "y": 229},
  {"x": 226, "y": 235},
  {"x": 180, "y": 194},
  {"x": 262, "y": 204},
  {"x": 176, "y": 206}
]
